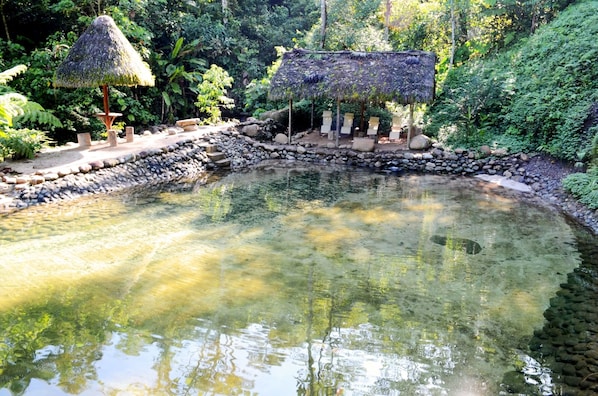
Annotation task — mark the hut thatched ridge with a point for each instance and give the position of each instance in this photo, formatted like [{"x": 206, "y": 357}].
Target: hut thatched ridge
[
  {"x": 405, "y": 77},
  {"x": 102, "y": 56}
]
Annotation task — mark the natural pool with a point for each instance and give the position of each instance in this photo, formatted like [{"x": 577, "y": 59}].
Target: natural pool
[{"x": 300, "y": 281}]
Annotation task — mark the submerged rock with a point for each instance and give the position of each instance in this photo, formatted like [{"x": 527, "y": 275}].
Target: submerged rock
[{"x": 467, "y": 245}]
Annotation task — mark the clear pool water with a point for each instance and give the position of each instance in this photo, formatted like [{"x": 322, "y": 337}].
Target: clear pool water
[{"x": 279, "y": 281}]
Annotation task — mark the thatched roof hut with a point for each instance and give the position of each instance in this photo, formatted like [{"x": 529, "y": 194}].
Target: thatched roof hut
[
  {"x": 404, "y": 77},
  {"x": 102, "y": 56}
]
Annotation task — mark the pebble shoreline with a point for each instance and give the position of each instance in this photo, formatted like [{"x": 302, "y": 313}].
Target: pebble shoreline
[{"x": 189, "y": 158}]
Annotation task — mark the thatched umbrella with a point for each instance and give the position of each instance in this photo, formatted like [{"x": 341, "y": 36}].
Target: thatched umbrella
[{"x": 103, "y": 56}]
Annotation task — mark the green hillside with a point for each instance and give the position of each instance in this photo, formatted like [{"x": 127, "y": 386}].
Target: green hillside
[{"x": 541, "y": 95}]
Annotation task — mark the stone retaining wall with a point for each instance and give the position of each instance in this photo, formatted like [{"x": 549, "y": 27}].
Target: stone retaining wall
[{"x": 188, "y": 159}]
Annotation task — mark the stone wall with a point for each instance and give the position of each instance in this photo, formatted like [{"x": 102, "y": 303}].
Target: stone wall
[{"x": 189, "y": 159}]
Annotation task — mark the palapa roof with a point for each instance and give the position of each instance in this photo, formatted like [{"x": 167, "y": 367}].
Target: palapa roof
[
  {"x": 404, "y": 77},
  {"x": 102, "y": 56}
]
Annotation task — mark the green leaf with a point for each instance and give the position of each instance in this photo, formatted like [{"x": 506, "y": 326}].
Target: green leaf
[
  {"x": 176, "y": 88},
  {"x": 166, "y": 98},
  {"x": 177, "y": 48}
]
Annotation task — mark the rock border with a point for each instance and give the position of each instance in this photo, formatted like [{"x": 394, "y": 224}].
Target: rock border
[{"x": 189, "y": 158}]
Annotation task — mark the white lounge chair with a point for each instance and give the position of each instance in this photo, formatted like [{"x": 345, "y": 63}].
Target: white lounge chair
[
  {"x": 373, "y": 125},
  {"x": 396, "y": 128},
  {"x": 326, "y": 122},
  {"x": 347, "y": 124}
]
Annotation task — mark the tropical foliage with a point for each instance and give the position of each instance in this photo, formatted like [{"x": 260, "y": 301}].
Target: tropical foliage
[
  {"x": 15, "y": 110},
  {"x": 584, "y": 186},
  {"x": 211, "y": 94},
  {"x": 536, "y": 96},
  {"x": 515, "y": 74}
]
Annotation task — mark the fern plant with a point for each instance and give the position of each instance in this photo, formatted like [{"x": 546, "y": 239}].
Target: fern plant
[
  {"x": 15, "y": 111},
  {"x": 584, "y": 186}
]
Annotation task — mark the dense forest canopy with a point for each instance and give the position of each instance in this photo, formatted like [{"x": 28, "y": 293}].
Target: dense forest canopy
[{"x": 515, "y": 73}]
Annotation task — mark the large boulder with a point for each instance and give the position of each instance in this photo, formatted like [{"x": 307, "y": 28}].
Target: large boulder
[
  {"x": 363, "y": 144},
  {"x": 250, "y": 130},
  {"x": 485, "y": 150},
  {"x": 420, "y": 142},
  {"x": 263, "y": 131},
  {"x": 281, "y": 116},
  {"x": 281, "y": 138},
  {"x": 270, "y": 128}
]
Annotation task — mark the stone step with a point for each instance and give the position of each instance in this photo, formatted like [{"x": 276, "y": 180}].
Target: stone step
[
  {"x": 223, "y": 163},
  {"x": 216, "y": 156},
  {"x": 211, "y": 148}
]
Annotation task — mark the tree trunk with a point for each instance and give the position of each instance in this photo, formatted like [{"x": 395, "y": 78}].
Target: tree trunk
[
  {"x": 387, "y": 19},
  {"x": 453, "y": 33},
  {"x": 323, "y": 16},
  {"x": 535, "y": 14},
  {"x": 225, "y": 11},
  {"x": 4, "y": 21}
]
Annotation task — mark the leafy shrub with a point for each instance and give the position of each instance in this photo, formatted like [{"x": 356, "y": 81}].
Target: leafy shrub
[
  {"x": 584, "y": 186},
  {"x": 212, "y": 93},
  {"x": 21, "y": 143},
  {"x": 592, "y": 153},
  {"x": 467, "y": 111},
  {"x": 16, "y": 109}
]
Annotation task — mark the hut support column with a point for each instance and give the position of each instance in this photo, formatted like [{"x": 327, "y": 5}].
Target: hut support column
[
  {"x": 362, "y": 121},
  {"x": 290, "y": 118},
  {"x": 106, "y": 107},
  {"x": 410, "y": 128},
  {"x": 108, "y": 119},
  {"x": 338, "y": 120}
]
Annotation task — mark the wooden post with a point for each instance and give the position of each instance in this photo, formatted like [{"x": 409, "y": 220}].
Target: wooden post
[
  {"x": 362, "y": 121},
  {"x": 129, "y": 133},
  {"x": 290, "y": 118},
  {"x": 410, "y": 128},
  {"x": 112, "y": 141},
  {"x": 107, "y": 120},
  {"x": 338, "y": 120},
  {"x": 313, "y": 109},
  {"x": 84, "y": 139}
]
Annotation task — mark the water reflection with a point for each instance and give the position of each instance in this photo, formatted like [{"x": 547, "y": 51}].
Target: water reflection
[{"x": 278, "y": 282}]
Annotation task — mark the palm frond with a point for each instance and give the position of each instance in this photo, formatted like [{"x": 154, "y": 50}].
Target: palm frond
[
  {"x": 8, "y": 75},
  {"x": 33, "y": 112},
  {"x": 11, "y": 106}
]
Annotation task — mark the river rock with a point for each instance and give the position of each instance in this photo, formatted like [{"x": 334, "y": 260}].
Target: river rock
[
  {"x": 281, "y": 138},
  {"x": 280, "y": 116},
  {"x": 363, "y": 144},
  {"x": 453, "y": 243},
  {"x": 250, "y": 130},
  {"x": 420, "y": 142}
]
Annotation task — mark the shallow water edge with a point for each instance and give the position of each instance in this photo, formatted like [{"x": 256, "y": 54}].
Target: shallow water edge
[{"x": 189, "y": 158}]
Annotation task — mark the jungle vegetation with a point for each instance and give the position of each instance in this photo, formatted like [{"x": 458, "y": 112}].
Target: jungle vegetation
[{"x": 518, "y": 74}]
